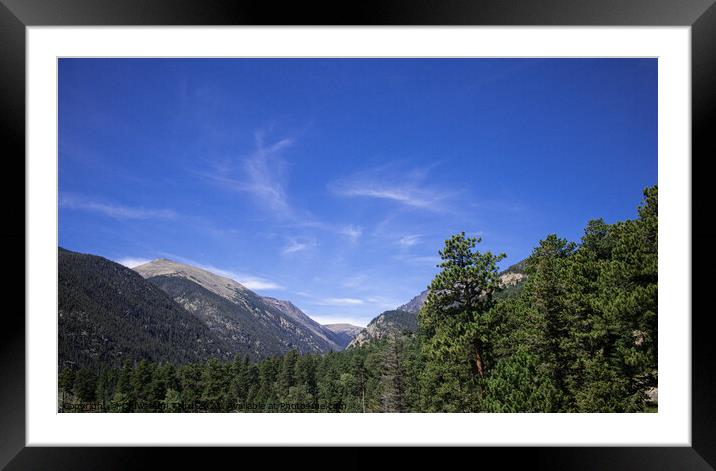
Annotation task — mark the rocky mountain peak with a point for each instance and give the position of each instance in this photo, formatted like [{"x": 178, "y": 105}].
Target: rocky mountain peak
[{"x": 217, "y": 284}]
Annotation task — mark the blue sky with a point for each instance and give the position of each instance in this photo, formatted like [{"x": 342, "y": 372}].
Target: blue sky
[{"x": 334, "y": 182}]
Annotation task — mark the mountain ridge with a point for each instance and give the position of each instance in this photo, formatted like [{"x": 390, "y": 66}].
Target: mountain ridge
[{"x": 288, "y": 322}]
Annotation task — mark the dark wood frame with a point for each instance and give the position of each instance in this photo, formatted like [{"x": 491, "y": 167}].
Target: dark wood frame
[{"x": 16, "y": 15}]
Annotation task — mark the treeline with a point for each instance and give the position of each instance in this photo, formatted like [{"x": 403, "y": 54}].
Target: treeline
[
  {"x": 349, "y": 381},
  {"x": 579, "y": 335}
]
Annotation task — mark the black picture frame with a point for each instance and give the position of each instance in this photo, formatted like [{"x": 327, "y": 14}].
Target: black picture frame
[{"x": 16, "y": 15}]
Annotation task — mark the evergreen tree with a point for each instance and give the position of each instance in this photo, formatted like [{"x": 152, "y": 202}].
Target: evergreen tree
[
  {"x": 248, "y": 381},
  {"x": 360, "y": 373},
  {"x": 190, "y": 379},
  {"x": 266, "y": 394},
  {"x": 215, "y": 384},
  {"x": 141, "y": 381},
  {"x": 123, "y": 399},
  {"x": 620, "y": 357},
  {"x": 546, "y": 294},
  {"x": 163, "y": 379},
  {"x": 121, "y": 402},
  {"x": 287, "y": 374},
  {"x": 105, "y": 388},
  {"x": 393, "y": 376},
  {"x": 172, "y": 401},
  {"x": 306, "y": 373},
  {"x": 520, "y": 383},
  {"x": 85, "y": 385},
  {"x": 456, "y": 326},
  {"x": 66, "y": 381}
]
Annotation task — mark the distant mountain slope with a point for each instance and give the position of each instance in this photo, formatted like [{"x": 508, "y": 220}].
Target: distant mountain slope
[
  {"x": 291, "y": 311},
  {"x": 252, "y": 330},
  {"x": 387, "y": 323},
  {"x": 264, "y": 326},
  {"x": 108, "y": 313},
  {"x": 344, "y": 333},
  {"x": 405, "y": 317}
]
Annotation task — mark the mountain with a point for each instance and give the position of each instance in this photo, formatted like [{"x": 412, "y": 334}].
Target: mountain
[
  {"x": 255, "y": 325},
  {"x": 405, "y": 317},
  {"x": 344, "y": 332},
  {"x": 387, "y": 323},
  {"x": 108, "y": 313},
  {"x": 296, "y": 314},
  {"x": 414, "y": 305}
]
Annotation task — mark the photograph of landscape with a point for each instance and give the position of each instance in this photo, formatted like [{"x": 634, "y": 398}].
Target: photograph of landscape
[{"x": 324, "y": 235}]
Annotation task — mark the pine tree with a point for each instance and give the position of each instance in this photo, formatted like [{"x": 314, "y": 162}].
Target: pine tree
[
  {"x": 141, "y": 381},
  {"x": 191, "y": 386},
  {"x": 266, "y": 394},
  {"x": 393, "y": 376},
  {"x": 360, "y": 373},
  {"x": 215, "y": 385},
  {"x": 85, "y": 385},
  {"x": 172, "y": 401},
  {"x": 546, "y": 294},
  {"x": 456, "y": 326},
  {"x": 163, "y": 379},
  {"x": 66, "y": 382},
  {"x": 620, "y": 361},
  {"x": 305, "y": 373},
  {"x": 248, "y": 378},
  {"x": 286, "y": 376},
  {"x": 124, "y": 399},
  {"x": 519, "y": 383},
  {"x": 105, "y": 388}
]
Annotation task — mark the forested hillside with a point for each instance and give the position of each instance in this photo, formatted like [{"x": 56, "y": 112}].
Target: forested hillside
[
  {"x": 108, "y": 313},
  {"x": 578, "y": 335}
]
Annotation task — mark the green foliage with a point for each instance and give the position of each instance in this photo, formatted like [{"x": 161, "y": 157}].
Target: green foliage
[
  {"x": 85, "y": 385},
  {"x": 66, "y": 380},
  {"x": 455, "y": 323},
  {"x": 172, "y": 401},
  {"x": 520, "y": 383}
]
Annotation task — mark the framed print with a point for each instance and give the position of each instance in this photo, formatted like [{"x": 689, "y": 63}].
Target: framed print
[{"x": 455, "y": 225}]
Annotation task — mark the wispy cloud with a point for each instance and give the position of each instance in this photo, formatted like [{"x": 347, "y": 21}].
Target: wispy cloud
[
  {"x": 261, "y": 174},
  {"x": 383, "y": 302},
  {"x": 339, "y": 302},
  {"x": 131, "y": 262},
  {"x": 355, "y": 282},
  {"x": 405, "y": 188},
  {"x": 353, "y": 232},
  {"x": 116, "y": 211},
  {"x": 298, "y": 245},
  {"x": 409, "y": 240},
  {"x": 256, "y": 283},
  {"x": 264, "y": 174},
  {"x": 250, "y": 281}
]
